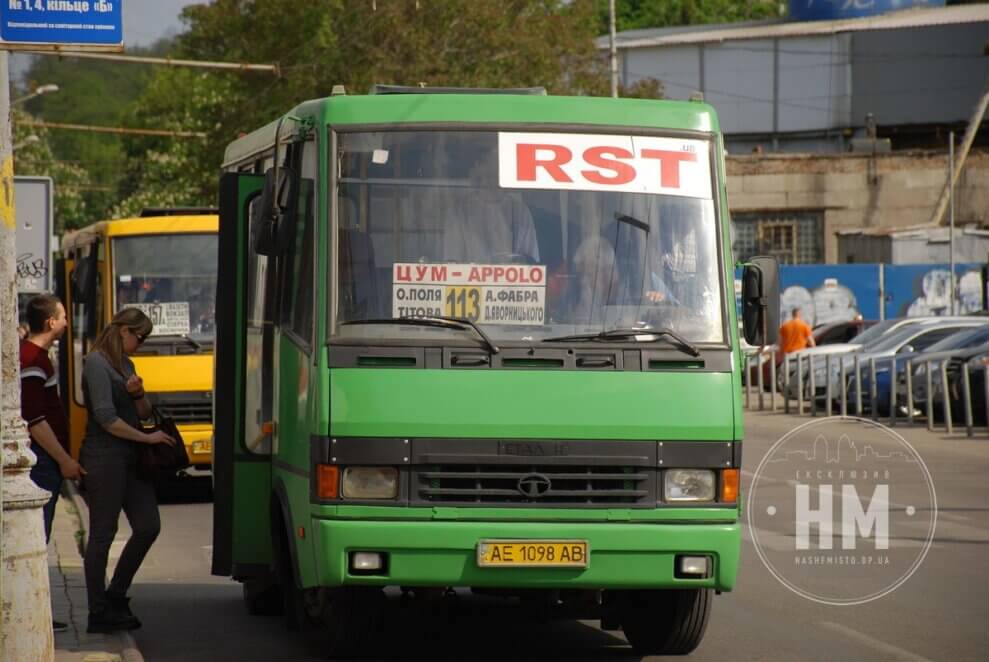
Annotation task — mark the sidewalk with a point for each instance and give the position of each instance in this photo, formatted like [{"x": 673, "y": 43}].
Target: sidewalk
[{"x": 68, "y": 590}]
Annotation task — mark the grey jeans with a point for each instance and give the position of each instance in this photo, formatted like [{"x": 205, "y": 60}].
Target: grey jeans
[{"x": 112, "y": 485}]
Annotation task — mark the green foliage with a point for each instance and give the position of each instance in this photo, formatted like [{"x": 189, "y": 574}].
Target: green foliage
[
  {"x": 69, "y": 180},
  {"x": 478, "y": 43},
  {"x": 638, "y": 14},
  {"x": 90, "y": 92}
]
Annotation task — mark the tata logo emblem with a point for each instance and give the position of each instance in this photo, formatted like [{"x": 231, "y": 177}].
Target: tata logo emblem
[{"x": 534, "y": 486}]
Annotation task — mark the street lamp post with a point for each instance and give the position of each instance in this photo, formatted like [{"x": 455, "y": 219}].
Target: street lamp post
[
  {"x": 38, "y": 91},
  {"x": 27, "y": 617}
]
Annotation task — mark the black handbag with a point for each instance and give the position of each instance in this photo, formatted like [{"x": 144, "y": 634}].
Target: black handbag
[{"x": 158, "y": 460}]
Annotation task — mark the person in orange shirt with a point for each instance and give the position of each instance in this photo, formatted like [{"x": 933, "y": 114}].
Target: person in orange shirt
[{"x": 795, "y": 334}]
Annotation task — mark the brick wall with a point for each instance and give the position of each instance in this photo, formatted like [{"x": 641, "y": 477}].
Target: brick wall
[{"x": 904, "y": 192}]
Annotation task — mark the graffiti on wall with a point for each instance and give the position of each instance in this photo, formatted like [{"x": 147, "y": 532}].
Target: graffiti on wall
[
  {"x": 935, "y": 295},
  {"x": 831, "y": 302}
]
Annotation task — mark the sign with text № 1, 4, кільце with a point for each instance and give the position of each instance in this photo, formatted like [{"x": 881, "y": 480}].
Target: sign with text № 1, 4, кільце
[{"x": 73, "y": 25}]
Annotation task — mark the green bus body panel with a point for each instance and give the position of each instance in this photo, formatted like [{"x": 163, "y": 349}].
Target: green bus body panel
[
  {"x": 368, "y": 402},
  {"x": 251, "y": 522},
  {"x": 400, "y": 109},
  {"x": 444, "y": 553}
]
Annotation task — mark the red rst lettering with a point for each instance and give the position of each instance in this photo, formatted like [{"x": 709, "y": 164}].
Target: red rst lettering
[
  {"x": 526, "y": 162},
  {"x": 439, "y": 274},
  {"x": 669, "y": 165},
  {"x": 594, "y": 156},
  {"x": 403, "y": 273}
]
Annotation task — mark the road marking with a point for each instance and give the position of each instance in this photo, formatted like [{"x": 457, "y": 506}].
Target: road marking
[{"x": 872, "y": 642}]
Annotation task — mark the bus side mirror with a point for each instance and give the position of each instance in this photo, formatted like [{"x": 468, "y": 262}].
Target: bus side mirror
[
  {"x": 761, "y": 301},
  {"x": 274, "y": 207}
]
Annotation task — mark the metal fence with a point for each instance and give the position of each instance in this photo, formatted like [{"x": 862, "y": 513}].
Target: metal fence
[{"x": 799, "y": 386}]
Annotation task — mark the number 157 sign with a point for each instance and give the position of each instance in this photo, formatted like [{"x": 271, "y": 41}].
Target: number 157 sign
[{"x": 79, "y": 25}]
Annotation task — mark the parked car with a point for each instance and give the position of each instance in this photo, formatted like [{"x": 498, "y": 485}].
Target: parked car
[
  {"x": 949, "y": 346},
  {"x": 824, "y": 334},
  {"x": 863, "y": 342},
  {"x": 910, "y": 339},
  {"x": 977, "y": 381}
]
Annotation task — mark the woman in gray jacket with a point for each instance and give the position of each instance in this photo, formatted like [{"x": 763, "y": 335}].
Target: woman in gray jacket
[{"x": 115, "y": 404}]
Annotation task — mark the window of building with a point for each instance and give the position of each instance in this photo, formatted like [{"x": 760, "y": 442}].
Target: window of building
[{"x": 792, "y": 237}]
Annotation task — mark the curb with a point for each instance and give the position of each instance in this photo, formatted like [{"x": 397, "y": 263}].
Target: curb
[{"x": 129, "y": 651}]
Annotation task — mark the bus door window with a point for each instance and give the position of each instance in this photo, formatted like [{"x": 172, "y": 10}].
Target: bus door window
[{"x": 297, "y": 284}]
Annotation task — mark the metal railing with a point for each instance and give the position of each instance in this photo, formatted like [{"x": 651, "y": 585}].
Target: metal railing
[{"x": 897, "y": 391}]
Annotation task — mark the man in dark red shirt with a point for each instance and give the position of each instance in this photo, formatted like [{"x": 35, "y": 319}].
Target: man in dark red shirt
[
  {"x": 41, "y": 407},
  {"x": 40, "y": 404}
]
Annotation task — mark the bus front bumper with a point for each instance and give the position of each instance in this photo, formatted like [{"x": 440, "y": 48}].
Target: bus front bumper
[{"x": 620, "y": 555}]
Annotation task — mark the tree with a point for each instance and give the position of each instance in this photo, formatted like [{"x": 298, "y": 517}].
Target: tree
[
  {"x": 70, "y": 181},
  {"x": 477, "y": 43},
  {"x": 90, "y": 92},
  {"x": 639, "y": 14}
]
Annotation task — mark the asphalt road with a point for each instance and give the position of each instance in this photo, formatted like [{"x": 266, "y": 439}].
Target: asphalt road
[{"x": 939, "y": 613}]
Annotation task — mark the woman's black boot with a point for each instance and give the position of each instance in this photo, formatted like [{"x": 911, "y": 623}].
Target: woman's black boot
[
  {"x": 120, "y": 606},
  {"x": 109, "y": 620}
]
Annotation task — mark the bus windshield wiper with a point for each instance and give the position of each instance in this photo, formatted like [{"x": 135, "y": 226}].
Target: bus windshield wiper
[
  {"x": 437, "y": 321},
  {"x": 639, "y": 335}
]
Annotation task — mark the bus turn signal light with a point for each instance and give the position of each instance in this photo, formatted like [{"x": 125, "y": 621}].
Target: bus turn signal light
[
  {"x": 327, "y": 481},
  {"x": 729, "y": 485}
]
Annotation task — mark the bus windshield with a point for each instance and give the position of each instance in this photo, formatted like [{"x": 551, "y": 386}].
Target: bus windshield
[
  {"x": 172, "y": 278},
  {"x": 529, "y": 235}
]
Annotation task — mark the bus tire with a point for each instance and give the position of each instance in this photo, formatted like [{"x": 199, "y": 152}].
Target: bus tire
[
  {"x": 350, "y": 616},
  {"x": 665, "y": 622},
  {"x": 292, "y": 605},
  {"x": 262, "y": 597}
]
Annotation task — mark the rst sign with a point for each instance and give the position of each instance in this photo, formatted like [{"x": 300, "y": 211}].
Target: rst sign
[
  {"x": 95, "y": 25},
  {"x": 583, "y": 162}
]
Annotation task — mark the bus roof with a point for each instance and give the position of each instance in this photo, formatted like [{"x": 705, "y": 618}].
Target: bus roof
[
  {"x": 182, "y": 224},
  {"x": 499, "y": 109}
]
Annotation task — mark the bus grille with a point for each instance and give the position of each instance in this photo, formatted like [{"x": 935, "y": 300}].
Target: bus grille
[
  {"x": 536, "y": 485},
  {"x": 188, "y": 412}
]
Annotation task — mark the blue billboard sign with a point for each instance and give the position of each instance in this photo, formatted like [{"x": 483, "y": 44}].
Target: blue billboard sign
[
  {"x": 816, "y": 10},
  {"x": 86, "y": 23}
]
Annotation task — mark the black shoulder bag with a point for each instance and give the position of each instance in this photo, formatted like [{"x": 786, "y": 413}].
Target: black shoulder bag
[{"x": 157, "y": 460}]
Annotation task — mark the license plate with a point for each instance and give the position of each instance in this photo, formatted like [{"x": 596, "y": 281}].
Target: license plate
[
  {"x": 205, "y": 446},
  {"x": 532, "y": 553}
]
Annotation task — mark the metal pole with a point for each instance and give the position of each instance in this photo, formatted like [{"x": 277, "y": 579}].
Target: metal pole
[
  {"x": 873, "y": 396},
  {"x": 27, "y": 618},
  {"x": 758, "y": 378},
  {"x": 613, "y": 48},
  {"x": 951, "y": 216},
  {"x": 812, "y": 394},
  {"x": 892, "y": 392},
  {"x": 800, "y": 385},
  {"x": 827, "y": 385},
  {"x": 949, "y": 428},
  {"x": 930, "y": 397},
  {"x": 858, "y": 387},
  {"x": 967, "y": 394},
  {"x": 844, "y": 387},
  {"x": 909, "y": 385},
  {"x": 772, "y": 379},
  {"x": 985, "y": 389},
  {"x": 786, "y": 383}
]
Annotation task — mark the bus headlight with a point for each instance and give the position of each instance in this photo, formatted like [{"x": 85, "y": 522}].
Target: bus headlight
[
  {"x": 689, "y": 485},
  {"x": 370, "y": 482}
]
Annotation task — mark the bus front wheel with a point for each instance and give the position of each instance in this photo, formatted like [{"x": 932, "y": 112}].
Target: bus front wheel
[{"x": 665, "y": 622}]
